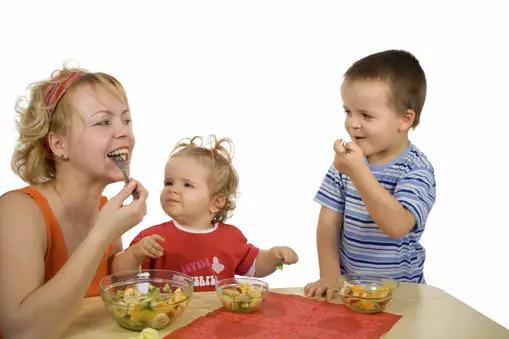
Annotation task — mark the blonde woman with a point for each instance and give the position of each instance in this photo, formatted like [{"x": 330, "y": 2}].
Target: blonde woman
[{"x": 58, "y": 235}]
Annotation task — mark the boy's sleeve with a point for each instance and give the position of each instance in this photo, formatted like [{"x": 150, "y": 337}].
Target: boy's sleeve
[
  {"x": 249, "y": 254},
  {"x": 416, "y": 191},
  {"x": 331, "y": 193}
]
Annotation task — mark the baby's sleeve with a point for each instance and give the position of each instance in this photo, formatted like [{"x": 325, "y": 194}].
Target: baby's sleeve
[
  {"x": 137, "y": 238},
  {"x": 416, "y": 191},
  {"x": 331, "y": 193},
  {"x": 249, "y": 253}
]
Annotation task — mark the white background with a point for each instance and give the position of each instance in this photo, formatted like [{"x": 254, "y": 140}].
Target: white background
[{"x": 267, "y": 74}]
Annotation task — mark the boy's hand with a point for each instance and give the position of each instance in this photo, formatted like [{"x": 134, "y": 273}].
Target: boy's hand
[
  {"x": 324, "y": 286},
  {"x": 286, "y": 253},
  {"x": 148, "y": 247},
  {"x": 348, "y": 158}
]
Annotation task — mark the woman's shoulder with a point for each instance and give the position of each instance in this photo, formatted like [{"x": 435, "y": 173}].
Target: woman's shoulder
[
  {"x": 20, "y": 211},
  {"x": 31, "y": 198},
  {"x": 25, "y": 199}
]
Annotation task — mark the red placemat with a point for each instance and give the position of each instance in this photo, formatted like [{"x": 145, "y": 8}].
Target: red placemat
[{"x": 289, "y": 316}]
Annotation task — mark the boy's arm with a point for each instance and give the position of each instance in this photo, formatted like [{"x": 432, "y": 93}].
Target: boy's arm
[
  {"x": 327, "y": 241},
  {"x": 385, "y": 210},
  {"x": 329, "y": 227},
  {"x": 396, "y": 214}
]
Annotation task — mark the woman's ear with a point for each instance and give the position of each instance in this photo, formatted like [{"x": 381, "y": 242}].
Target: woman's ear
[
  {"x": 57, "y": 145},
  {"x": 406, "y": 120}
]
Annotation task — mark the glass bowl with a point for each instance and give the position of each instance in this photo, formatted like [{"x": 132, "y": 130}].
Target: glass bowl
[
  {"x": 241, "y": 295},
  {"x": 146, "y": 298},
  {"x": 366, "y": 294}
]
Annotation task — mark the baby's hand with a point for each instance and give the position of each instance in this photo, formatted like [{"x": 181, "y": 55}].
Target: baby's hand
[
  {"x": 288, "y": 255},
  {"x": 148, "y": 247},
  {"x": 348, "y": 157},
  {"x": 324, "y": 286}
]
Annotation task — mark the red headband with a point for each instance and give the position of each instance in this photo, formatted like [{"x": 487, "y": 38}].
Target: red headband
[{"x": 55, "y": 90}]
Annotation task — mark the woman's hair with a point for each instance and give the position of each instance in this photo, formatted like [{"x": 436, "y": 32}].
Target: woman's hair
[
  {"x": 49, "y": 109},
  {"x": 223, "y": 179}
]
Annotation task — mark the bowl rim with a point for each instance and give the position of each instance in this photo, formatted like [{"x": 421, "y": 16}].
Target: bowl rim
[
  {"x": 135, "y": 275},
  {"x": 377, "y": 278},
  {"x": 387, "y": 297},
  {"x": 241, "y": 280}
]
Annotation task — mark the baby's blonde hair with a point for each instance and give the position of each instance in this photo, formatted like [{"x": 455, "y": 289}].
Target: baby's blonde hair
[
  {"x": 223, "y": 179},
  {"x": 32, "y": 160}
]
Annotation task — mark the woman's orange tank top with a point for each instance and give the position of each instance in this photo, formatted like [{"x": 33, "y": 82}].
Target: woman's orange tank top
[{"x": 56, "y": 251}]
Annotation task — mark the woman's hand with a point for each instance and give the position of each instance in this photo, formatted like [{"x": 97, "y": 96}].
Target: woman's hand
[{"x": 116, "y": 218}]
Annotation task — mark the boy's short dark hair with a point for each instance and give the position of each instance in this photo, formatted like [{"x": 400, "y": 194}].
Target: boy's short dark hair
[{"x": 403, "y": 73}]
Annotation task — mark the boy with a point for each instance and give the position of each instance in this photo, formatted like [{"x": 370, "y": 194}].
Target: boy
[{"x": 380, "y": 189}]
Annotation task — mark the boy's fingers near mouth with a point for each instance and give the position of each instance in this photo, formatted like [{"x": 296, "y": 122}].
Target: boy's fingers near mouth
[
  {"x": 352, "y": 146},
  {"x": 338, "y": 147}
]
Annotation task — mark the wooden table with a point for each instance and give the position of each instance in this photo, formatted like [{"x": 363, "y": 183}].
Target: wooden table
[{"x": 428, "y": 312}]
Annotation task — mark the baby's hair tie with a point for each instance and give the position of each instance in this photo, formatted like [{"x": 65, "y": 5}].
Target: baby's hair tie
[{"x": 214, "y": 150}]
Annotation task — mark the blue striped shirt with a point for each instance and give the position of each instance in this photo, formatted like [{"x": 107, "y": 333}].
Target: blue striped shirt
[{"x": 364, "y": 247}]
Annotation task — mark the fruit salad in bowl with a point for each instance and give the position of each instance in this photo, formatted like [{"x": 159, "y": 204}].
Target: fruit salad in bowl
[
  {"x": 366, "y": 294},
  {"x": 146, "y": 298},
  {"x": 241, "y": 295}
]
